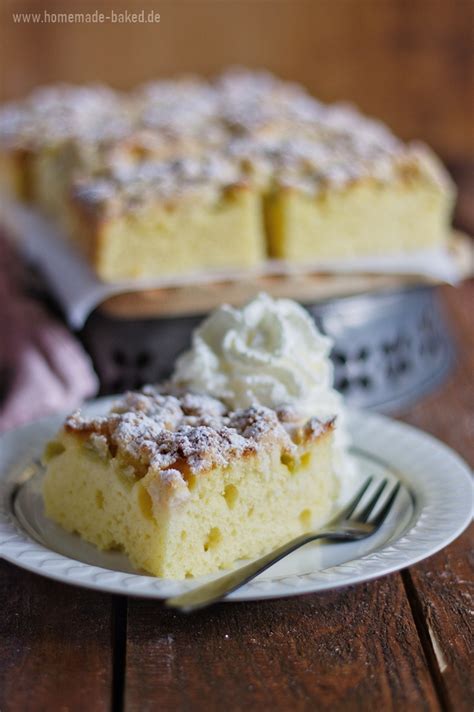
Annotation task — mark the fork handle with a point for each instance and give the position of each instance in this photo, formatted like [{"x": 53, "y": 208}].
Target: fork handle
[{"x": 216, "y": 589}]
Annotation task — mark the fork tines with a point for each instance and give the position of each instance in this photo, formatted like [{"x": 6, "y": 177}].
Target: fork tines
[{"x": 364, "y": 514}]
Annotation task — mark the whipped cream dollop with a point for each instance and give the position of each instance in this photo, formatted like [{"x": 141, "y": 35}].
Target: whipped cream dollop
[{"x": 270, "y": 353}]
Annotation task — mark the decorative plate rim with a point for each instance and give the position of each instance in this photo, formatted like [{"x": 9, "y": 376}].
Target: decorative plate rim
[{"x": 438, "y": 477}]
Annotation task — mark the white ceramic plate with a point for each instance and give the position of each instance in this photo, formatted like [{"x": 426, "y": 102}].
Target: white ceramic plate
[{"x": 433, "y": 508}]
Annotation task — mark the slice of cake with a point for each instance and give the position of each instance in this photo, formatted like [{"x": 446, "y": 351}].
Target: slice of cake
[
  {"x": 184, "y": 486},
  {"x": 169, "y": 218},
  {"x": 36, "y": 135},
  {"x": 380, "y": 202},
  {"x": 239, "y": 453},
  {"x": 16, "y": 154}
]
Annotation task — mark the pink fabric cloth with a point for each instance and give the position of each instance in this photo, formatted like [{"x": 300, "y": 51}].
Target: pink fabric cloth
[{"x": 43, "y": 368}]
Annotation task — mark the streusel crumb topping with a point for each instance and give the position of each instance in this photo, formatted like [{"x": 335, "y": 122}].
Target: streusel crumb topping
[
  {"x": 189, "y": 138},
  {"x": 187, "y": 432}
]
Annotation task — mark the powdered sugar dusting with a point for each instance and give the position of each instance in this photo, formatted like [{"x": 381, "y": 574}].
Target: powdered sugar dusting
[{"x": 57, "y": 113}]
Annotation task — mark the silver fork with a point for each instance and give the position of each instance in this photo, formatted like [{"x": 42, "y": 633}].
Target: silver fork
[{"x": 345, "y": 526}]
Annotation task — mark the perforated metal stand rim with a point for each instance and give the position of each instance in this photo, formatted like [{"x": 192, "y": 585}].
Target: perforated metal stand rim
[{"x": 390, "y": 348}]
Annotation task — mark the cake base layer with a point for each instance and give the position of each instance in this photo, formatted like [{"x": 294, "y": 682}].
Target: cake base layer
[
  {"x": 239, "y": 511},
  {"x": 367, "y": 218}
]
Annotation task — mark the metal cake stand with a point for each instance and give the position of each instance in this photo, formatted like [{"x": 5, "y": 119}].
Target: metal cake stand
[{"x": 390, "y": 347}]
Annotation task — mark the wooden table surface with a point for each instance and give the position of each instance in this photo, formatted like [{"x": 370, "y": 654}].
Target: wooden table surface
[{"x": 399, "y": 643}]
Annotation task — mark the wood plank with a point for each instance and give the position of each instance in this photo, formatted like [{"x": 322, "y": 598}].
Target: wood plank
[
  {"x": 441, "y": 592},
  {"x": 355, "y": 648},
  {"x": 55, "y": 645},
  {"x": 441, "y": 588}
]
